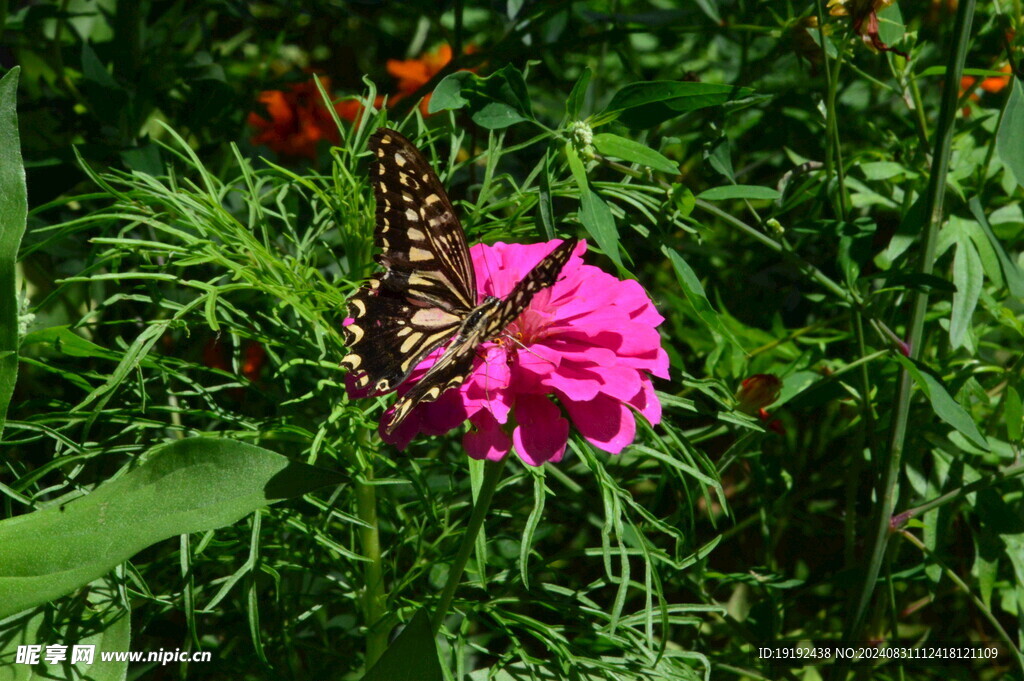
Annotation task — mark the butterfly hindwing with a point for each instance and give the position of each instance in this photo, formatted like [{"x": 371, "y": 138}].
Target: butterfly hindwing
[{"x": 389, "y": 336}]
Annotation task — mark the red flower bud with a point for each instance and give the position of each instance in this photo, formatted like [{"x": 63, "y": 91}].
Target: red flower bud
[{"x": 757, "y": 392}]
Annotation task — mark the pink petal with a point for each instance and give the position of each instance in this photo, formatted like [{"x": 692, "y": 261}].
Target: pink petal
[
  {"x": 542, "y": 433},
  {"x": 646, "y": 402},
  {"x": 486, "y": 439},
  {"x": 604, "y": 421}
]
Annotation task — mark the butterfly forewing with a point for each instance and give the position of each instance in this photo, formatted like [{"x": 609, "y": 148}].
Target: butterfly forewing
[
  {"x": 544, "y": 274},
  {"x": 422, "y": 243}
]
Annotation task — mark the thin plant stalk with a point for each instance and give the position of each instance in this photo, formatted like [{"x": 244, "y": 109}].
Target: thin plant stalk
[
  {"x": 374, "y": 597},
  {"x": 892, "y": 463},
  {"x": 987, "y": 612},
  {"x": 492, "y": 474}
]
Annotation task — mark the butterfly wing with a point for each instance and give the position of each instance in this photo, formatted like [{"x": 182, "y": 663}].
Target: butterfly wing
[
  {"x": 428, "y": 286},
  {"x": 455, "y": 364}
]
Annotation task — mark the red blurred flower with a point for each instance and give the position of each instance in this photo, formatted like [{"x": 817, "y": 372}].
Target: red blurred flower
[
  {"x": 758, "y": 392},
  {"x": 298, "y": 119},
  {"x": 412, "y": 74},
  {"x": 254, "y": 356}
]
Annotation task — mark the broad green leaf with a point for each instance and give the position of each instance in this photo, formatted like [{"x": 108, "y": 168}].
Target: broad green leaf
[
  {"x": 497, "y": 116},
  {"x": 634, "y": 152},
  {"x": 1010, "y": 138},
  {"x": 574, "y": 104},
  {"x": 448, "y": 93},
  {"x": 890, "y": 25},
  {"x": 99, "y": 619},
  {"x": 13, "y": 213},
  {"x": 499, "y": 100},
  {"x": 410, "y": 657},
  {"x": 944, "y": 406},
  {"x": 694, "y": 292},
  {"x": 187, "y": 486},
  {"x": 594, "y": 213},
  {"x": 1014, "y": 415},
  {"x": 1011, "y": 271},
  {"x": 884, "y": 170},
  {"x": 739, "y": 191},
  {"x": 25, "y": 630},
  {"x": 597, "y": 217},
  {"x": 968, "y": 279},
  {"x": 910, "y": 228},
  {"x": 647, "y": 103}
]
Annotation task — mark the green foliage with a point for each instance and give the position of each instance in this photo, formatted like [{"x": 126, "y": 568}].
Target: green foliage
[{"x": 765, "y": 178}]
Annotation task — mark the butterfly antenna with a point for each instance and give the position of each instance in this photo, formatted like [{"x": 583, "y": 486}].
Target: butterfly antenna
[{"x": 523, "y": 346}]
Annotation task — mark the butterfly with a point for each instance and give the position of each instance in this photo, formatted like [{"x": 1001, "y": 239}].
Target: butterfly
[{"x": 427, "y": 296}]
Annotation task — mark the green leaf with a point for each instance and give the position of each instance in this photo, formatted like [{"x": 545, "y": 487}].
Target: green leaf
[
  {"x": 944, "y": 406},
  {"x": 448, "y": 93},
  {"x": 597, "y": 218},
  {"x": 498, "y": 101},
  {"x": 187, "y": 486},
  {"x": 634, "y": 152},
  {"x": 1011, "y": 271},
  {"x": 1009, "y": 139},
  {"x": 594, "y": 213},
  {"x": 695, "y": 294},
  {"x": 968, "y": 279},
  {"x": 1014, "y": 415},
  {"x": 574, "y": 104},
  {"x": 647, "y": 103},
  {"x": 497, "y": 116},
  {"x": 739, "y": 191},
  {"x": 411, "y": 657},
  {"x": 13, "y": 214}
]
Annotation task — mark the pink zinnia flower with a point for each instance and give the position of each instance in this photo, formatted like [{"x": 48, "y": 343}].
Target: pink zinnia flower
[{"x": 589, "y": 341}]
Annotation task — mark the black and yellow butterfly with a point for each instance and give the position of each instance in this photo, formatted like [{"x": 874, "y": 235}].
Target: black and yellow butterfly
[{"x": 427, "y": 295}]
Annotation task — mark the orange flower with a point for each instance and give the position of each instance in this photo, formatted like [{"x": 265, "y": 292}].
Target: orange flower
[
  {"x": 993, "y": 84},
  {"x": 864, "y": 19},
  {"x": 758, "y": 392},
  {"x": 997, "y": 83},
  {"x": 298, "y": 120},
  {"x": 412, "y": 74}
]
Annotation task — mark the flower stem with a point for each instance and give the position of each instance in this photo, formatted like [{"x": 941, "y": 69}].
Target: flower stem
[
  {"x": 987, "y": 612},
  {"x": 492, "y": 474},
  {"x": 892, "y": 465},
  {"x": 1008, "y": 473},
  {"x": 374, "y": 598}
]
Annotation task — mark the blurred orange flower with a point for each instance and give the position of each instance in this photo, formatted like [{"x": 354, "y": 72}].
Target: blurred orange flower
[
  {"x": 297, "y": 121},
  {"x": 412, "y": 74},
  {"x": 992, "y": 84}
]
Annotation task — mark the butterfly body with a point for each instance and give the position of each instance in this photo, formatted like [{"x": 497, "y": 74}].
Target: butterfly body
[{"x": 427, "y": 296}]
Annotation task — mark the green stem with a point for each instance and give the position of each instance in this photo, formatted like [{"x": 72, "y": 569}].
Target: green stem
[
  {"x": 374, "y": 598},
  {"x": 492, "y": 474},
  {"x": 892, "y": 467},
  {"x": 1008, "y": 473},
  {"x": 955, "y": 578}
]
